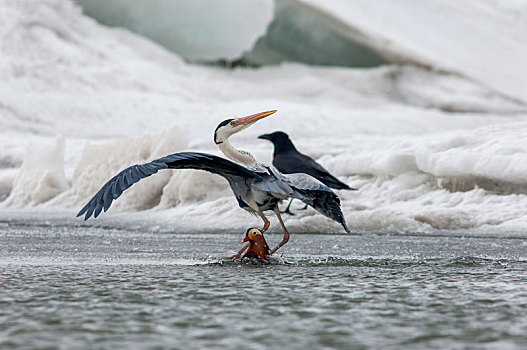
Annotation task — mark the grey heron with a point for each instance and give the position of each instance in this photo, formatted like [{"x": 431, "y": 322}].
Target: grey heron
[
  {"x": 257, "y": 188},
  {"x": 288, "y": 160}
]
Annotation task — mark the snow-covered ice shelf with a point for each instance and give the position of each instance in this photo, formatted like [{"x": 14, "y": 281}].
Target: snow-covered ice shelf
[{"x": 429, "y": 150}]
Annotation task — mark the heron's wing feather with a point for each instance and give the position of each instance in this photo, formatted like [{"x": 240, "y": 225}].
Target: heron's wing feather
[
  {"x": 277, "y": 188},
  {"x": 258, "y": 168},
  {"x": 208, "y": 162},
  {"x": 184, "y": 160},
  {"x": 116, "y": 185},
  {"x": 305, "y": 182}
]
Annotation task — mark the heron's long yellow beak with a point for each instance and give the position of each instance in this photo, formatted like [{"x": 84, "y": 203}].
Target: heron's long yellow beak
[{"x": 253, "y": 118}]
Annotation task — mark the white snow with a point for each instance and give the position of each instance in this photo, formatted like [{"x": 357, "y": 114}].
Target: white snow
[
  {"x": 41, "y": 176},
  {"x": 428, "y": 150},
  {"x": 484, "y": 40},
  {"x": 100, "y": 162}
]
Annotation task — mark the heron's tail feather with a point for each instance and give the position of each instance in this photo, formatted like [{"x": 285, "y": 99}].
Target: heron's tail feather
[
  {"x": 314, "y": 193},
  {"x": 332, "y": 182},
  {"x": 328, "y": 204}
]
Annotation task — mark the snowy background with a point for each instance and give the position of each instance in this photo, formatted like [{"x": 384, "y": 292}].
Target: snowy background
[{"x": 420, "y": 105}]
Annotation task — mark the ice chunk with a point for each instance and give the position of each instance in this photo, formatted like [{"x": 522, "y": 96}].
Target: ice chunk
[
  {"x": 41, "y": 176},
  {"x": 100, "y": 162},
  {"x": 483, "y": 40},
  {"x": 305, "y": 34},
  {"x": 196, "y": 30},
  {"x": 7, "y": 178}
]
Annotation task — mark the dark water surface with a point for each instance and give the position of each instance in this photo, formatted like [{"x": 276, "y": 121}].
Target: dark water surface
[{"x": 83, "y": 287}]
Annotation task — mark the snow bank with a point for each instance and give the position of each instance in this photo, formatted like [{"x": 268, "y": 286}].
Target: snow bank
[
  {"x": 496, "y": 153},
  {"x": 428, "y": 150},
  {"x": 41, "y": 176},
  {"x": 482, "y": 40},
  {"x": 101, "y": 162},
  {"x": 451, "y": 180}
]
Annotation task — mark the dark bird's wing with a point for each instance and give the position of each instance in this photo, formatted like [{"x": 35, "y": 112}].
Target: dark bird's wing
[
  {"x": 184, "y": 160},
  {"x": 329, "y": 180},
  {"x": 295, "y": 162}
]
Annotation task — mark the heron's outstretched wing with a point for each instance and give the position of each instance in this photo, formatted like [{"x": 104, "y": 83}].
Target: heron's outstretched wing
[{"x": 184, "y": 160}]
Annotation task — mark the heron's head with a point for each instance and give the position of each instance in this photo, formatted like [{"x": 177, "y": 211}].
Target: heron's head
[
  {"x": 253, "y": 234},
  {"x": 275, "y": 137},
  {"x": 231, "y": 126}
]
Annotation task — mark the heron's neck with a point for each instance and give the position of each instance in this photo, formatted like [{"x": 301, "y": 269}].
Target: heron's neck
[{"x": 236, "y": 155}]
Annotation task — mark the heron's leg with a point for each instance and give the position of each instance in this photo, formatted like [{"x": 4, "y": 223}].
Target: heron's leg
[
  {"x": 237, "y": 256},
  {"x": 265, "y": 220},
  {"x": 286, "y": 233},
  {"x": 287, "y": 211}
]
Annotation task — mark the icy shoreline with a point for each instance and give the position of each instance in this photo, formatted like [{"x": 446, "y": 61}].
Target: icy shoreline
[{"x": 159, "y": 221}]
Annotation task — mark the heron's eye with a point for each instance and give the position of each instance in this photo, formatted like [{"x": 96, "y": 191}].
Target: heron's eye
[{"x": 233, "y": 123}]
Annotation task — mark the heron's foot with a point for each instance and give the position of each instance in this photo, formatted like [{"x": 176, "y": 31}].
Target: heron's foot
[
  {"x": 304, "y": 208},
  {"x": 287, "y": 211},
  {"x": 230, "y": 258},
  {"x": 284, "y": 241},
  {"x": 279, "y": 259}
]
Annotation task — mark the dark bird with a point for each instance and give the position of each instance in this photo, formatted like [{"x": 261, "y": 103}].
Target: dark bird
[
  {"x": 257, "y": 248},
  {"x": 288, "y": 160},
  {"x": 257, "y": 188}
]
